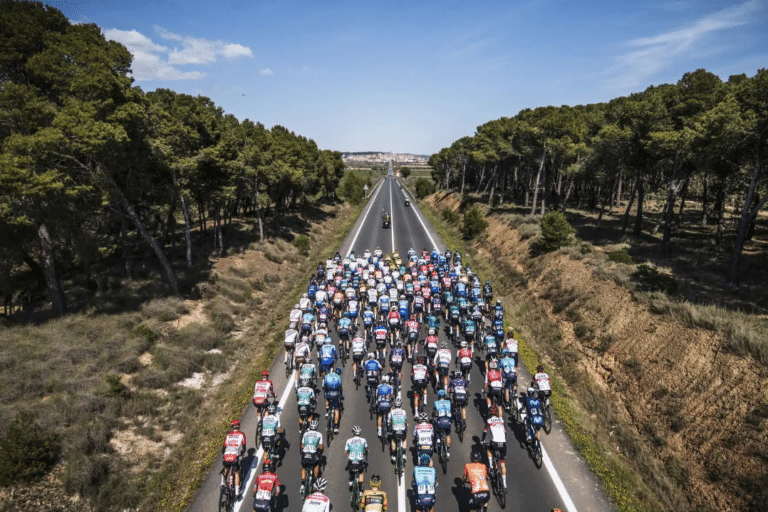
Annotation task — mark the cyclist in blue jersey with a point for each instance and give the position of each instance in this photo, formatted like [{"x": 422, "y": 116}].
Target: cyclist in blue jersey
[
  {"x": 383, "y": 307},
  {"x": 424, "y": 485},
  {"x": 458, "y": 390},
  {"x": 307, "y": 323},
  {"x": 372, "y": 371},
  {"x": 328, "y": 356},
  {"x": 396, "y": 357},
  {"x": 334, "y": 393},
  {"x": 442, "y": 410},
  {"x": 403, "y": 307},
  {"x": 383, "y": 401},
  {"x": 533, "y": 418},
  {"x": 344, "y": 329},
  {"x": 508, "y": 366}
]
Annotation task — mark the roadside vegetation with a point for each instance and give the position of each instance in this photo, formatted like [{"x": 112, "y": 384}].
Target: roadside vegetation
[{"x": 612, "y": 325}]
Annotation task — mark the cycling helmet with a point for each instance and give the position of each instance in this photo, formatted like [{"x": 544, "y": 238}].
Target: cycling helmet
[
  {"x": 385, "y": 379},
  {"x": 510, "y": 333},
  {"x": 540, "y": 369},
  {"x": 264, "y": 374},
  {"x": 431, "y": 332},
  {"x": 370, "y": 355},
  {"x": 464, "y": 344},
  {"x": 399, "y": 343},
  {"x": 271, "y": 408},
  {"x": 398, "y": 402},
  {"x": 345, "y": 314},
  {"x": 494, "y": 410},
  {"x": 422, "y": 360},
  {"x": 444, "y": 345},
  {"x": 531, "y": 391},
  {"x": 320, "y": 484},
  {"x": 402, "y": 297},
  {"x": 235, "y": 423},
  {"x": 505, "y": 352},
  {"x": 309, "y": 359},
  {"x": 498, "y": 302},
  {"x": 375, "y": 482},
  {"x": 475, "y": 456},
  {"x": 297, "y": 306},
  {"x": 493, "y": 364},
  {"x": 423, "y": 417},
  {"x": 304, "y": 296},
  {"x": 338, "y": 370},
  {"x": 322, "y": 325},
  {"x": 356, "y": 430},
  {"x": 424, "y": 459},
  {"x": 313, "y": 425},
  {"x": 269, "y": 465},
  {"x": 441, "y": 393}
]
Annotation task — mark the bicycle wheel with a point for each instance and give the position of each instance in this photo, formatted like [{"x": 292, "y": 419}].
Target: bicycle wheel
[
  {"x": 223, "y": 501},
  {"x": 443, "y": 453},
  {"x": 547, "y": 418},
  {"x": 354, "y": 498},
  {"x": 501, "y": 492},
  {"x": 329, "y": 428},
  {"x": 307, "y": 485},
  {"x": 399, "y": 469}
]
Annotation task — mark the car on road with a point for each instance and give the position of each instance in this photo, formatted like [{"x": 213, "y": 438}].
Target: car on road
[
  {"x": 407, "y": 202},
  {"x": 385, "y": 220}
]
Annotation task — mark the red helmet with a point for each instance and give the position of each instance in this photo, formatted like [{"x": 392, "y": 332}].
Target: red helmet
[
  {"x": 264, "y": 374},
  {"x": 235, "y": 423},
  {"x": 494, "y": 410}
]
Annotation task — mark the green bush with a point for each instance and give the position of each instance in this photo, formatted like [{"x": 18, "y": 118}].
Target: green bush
[
  {"x": 474, "y": 223},
  {"x": 302, "y": 244},
  {"x": 405, "y": 172},
  {"x": 424, "y": 187},
  {"x": 450, "y": 216},
  {"x": 351, "y": 188},
  {"x": 621, "y": 257},
  {"x": 22, "y": 460},
  {"x": 649, "y": 279},
  {"x": 555, "y": 231}
]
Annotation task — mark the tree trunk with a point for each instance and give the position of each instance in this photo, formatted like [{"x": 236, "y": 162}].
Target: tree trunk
[
  {"x": 683, "y": 197},
  {"x": 463, "y": 177},
  {"x": 36, "y": 269},
  {"x": 640, "y": 196},
  {"x": 544, "y": 190},
  {"x": 55, "y": 291},
  {"x": 127, "y": 247},
  {"x": 260, "y": 215},
  {"x": 747, "y": 214},
  {"x": 617, "y": 203},
  {"x": 187, "y": 230},
  {"x": 538, "y": 180},
  {"x": 672, "y": 190},
  {"x": 128, "y": 209},
  {"x": 567, "y": 194},
  {"x": 704, "y": 201},
  {"x": 480, "y": 183},
  {"x": 720, "y": 210},
  {"x": 625, "y": 219}
]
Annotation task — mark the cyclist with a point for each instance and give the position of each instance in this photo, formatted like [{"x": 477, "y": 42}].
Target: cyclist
[
  {"x": 491, "y": 346},
  {"x": 419, "y": 376},
  {"x": 305, "y": 303},
  {"x": 383, "y": 306},
  {"x": 321, "y": 337},
  {"x": 394, "y": 324},
  {"x": 541, "y": 382},
  {"x": 332, "y": 389},
  {"x": 468, "y": 327},
  {"x": 373, "y": 299},
  {"x": 291, "y": 335},
  {"x": 306, "y": 373},
  {"x": 307, "y": 323},
  {"x": 358, "y": 352},
  {"x": 301, "y": 355},
  {"x": 398, "y": 426},
  {"x": 321, "y": 296},
  {"x": 493, "y": 384},
  {"x": 464, "y": 359},
  {"x": 295, "y": 316},
  {"x": 412, "y": 328},
  {"x": 498, "y": 442},
  {"x": 442, "y": 409},
  {"x": 271, "y": 431},
  {"x": 430, "y": 345},
  {"x": 305, "y": 398},
  {"x": 403, "y": 307},
  {"x": 418, "y": 306},
  {"x": 442, "y": 364},
  {"x": 344, "y": 329},
  {"x": 262, "y": 390},
  {"x": 424, "y": 483},
  {"x": 424, "y": 438},
  {"x": 233, "y": 448},
  {"x": 380, "y": 335},
  {"x": 265, "y": 487},
  {"x": 509, "y": 375},
  {"x": 338, "y": 304},
  {"x": 311, "y": 449},
  {"x": 356, "y": 449},
  {"x": 488, "y": 292},
  {"x": 374, "y": 499},
  {"x": 458, "y": 390},
  {"x": 372, "y": 371},
  {"x": 383, "y": 401},
  {"x": 511, "y": 343},
  {"x": 532, "y": 417},
  {"x": 328, "y": 356},
  {"x": 317, "y": 501},
  {"x": 498, "y": 311},
  {"x": 477, "y": 475}
]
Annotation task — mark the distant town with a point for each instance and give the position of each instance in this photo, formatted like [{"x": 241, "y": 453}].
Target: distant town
[{"x": 381, "y": 157}]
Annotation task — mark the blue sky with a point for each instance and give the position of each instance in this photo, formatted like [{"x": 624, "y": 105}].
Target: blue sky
[{"x": 414, "y": 76}]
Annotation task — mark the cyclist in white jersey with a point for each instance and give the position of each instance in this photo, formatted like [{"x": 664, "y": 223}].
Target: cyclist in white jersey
[
  {"x": 541, "y": 382},
  {"x": 398, "y": 426},
  {"x": 317, "y": 501},
  {"x": 311, "y": 450},
  {"x": 356, "y": 449},
  {"x": 442, "y": 364}
]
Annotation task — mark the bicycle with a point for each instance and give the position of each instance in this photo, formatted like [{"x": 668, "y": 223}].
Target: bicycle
[
  {"x": 343, "y": 352},
  {"x": 534, "y": 446},
  {"x": 330, "y": 424},
  {"x": 306, "y": 486},
  {"x": 442, "y": 450},
  {"x": 546, "y": 411},
  {"x": 289, "y": 363},
  {"x": 497, "y": 482},
  {"x": 354, "y": 498},
  {"x": 399, "y": 463},
  {"x": 228, "y": 495},
  {"x": 384, "y": 431},
  {"x": 461, "y": 425}
]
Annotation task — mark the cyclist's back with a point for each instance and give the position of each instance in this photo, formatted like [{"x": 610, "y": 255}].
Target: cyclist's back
[{"x": 373, "y": 500}]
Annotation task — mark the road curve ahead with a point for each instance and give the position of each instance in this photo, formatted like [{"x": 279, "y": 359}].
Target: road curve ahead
[{"x": 562, "y": 480}]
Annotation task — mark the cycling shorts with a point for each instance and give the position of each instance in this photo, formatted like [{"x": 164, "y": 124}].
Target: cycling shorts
[
  {"x": 300, "y": 360},
  {"x": 235, "y": 464},
  {"x": 326, "y": 364},
  {"x": 399, "y": 434},
  {"x": 444, "y": 424},
  {"x": 443, "y": 368},
  {"x": 425, "y": 500},
  {"x": 384, "y": 407},
  {"x": 356, "y": 465},
  {"x": 305, "y": 410},
  {"x": 494, "y": 391},
  {"x": 480, "y": 498},
  {"x": 420, "y": 384},
  {"x": 499, "y": 449},
  {"x": 262, "y": 505},
  {"x": 358, "y": 357},
  {"x": 509, "y": 382},
  {"x": 310, "y": 459}
]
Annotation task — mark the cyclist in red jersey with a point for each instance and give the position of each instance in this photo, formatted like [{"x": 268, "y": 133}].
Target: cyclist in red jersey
[
  {"x": 232, "y": 449},
  {"x": 266, "y": 487},
  {"x": 262, "y": 391}
]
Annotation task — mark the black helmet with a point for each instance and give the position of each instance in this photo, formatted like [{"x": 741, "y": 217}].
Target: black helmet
[{"x": 474, "y": 456}]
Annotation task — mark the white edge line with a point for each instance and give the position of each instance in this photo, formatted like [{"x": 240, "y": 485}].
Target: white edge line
[
  {"x": 391, "y": 217},
  {"x": 257, "y": 460},
  {"x": 558, "y": 483},
  {"x": 370, "y": 204}
]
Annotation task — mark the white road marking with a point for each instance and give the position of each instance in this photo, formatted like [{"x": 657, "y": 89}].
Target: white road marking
[
  {"x": 391, "y": 217},
  {"x": 418, "y": 217},
  {"x": 373, "y": 200},
  {"x": 569, "y": 506}
]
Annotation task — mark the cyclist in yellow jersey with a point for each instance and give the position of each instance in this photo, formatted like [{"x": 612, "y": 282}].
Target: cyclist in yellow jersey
[{"x": 374, "y": 500}]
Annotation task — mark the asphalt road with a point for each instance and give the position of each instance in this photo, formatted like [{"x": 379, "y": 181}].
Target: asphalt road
[{"x": 562, "y": 481}]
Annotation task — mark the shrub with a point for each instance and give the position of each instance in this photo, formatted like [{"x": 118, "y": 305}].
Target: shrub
[
  {"x": 474, "y": 223},
  {"x": 22, "y": 460},
  {"x": 116, "y": 387},
  {"x": 351, "y": 188},
  {"x": 405, "y": 172},
  {"x": 424, "y": 187},
  {"x": 555, "y": 231},
  {"x": 621, "y": 256},
  {"x": 527, "y": 231},
  {"x": 302, "y": 244},
  {"x": 649, "y": 279},
  {"x": 450, "y": 216}
]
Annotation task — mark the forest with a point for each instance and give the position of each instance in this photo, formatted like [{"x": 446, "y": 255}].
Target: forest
[
  {"x": 701, "y": 138},
  {"x": 92, "y": 167}
]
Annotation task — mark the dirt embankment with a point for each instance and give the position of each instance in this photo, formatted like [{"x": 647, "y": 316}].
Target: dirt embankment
[{"x": 681, "y": 403}]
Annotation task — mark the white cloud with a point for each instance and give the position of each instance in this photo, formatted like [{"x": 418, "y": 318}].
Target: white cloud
[
  {"x": 656, "y": 53},
  {"x": 152, "y": 61},
  {"x": 266, "y": 72}
]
